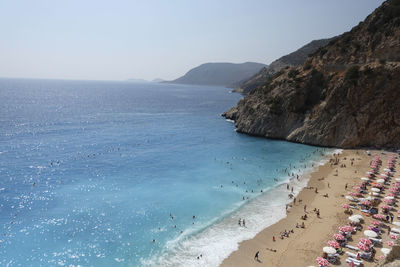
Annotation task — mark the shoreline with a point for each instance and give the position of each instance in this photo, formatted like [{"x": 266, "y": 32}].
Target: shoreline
[
  {"x": 222, "y": 237},
  {"x": 304, "y": 245}
]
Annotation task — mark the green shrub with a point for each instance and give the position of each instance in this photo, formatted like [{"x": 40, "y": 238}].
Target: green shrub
[
  {"x": 352, "y": 74},
  {"x": 293, "y": 73}
]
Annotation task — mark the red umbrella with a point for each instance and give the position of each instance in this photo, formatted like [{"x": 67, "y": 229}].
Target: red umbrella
[
  {"x": 322, "y": 261},
  {"x": 366, "y": 202},
  {"x": 333, "y": 244},
  {"x": 338, "y": 237},
  {"x": 366, "y": 241},
  {"x": 376, "y": 222},
  {"x": 345, "y": 206},
  {"x": 363, "y": 246},
  {"x": 379, "y": 216}
]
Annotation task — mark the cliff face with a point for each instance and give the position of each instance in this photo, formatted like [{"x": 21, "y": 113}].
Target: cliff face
[
  {"x": 295, "y": 58},
  {"x": 347, "y": 94}
]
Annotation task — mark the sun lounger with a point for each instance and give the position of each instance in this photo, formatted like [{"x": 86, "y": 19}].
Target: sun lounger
[
  {"x": 376, "y": 240},
  {"x": 395, "y": 230},
  {"x": 351, "y": 254},
  {"x": 356, "y": 262},
  {"x": 351, "y": 247}
]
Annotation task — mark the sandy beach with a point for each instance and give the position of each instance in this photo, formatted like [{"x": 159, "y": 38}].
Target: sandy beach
[{"x": 303, "y": 246}]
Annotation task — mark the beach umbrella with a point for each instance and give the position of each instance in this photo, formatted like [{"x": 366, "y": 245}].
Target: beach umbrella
[
  {"x": 358, "y": 216},
  {"x": 345, "y": 206},
  {"x": 389, "y": 197},
  {"x": 364, "y": 178},
  {"x": 354, "y": 220},
  {"x": 388, "y": 201},
  {"x": 393, "y": 190},
  {"x": 390, "y": 194},
  {"x": 381, "y": 181},
  {"x": 363, "y": 247},
  {"x": 377, "y": 185},
  {"x": 370, "y": 233},
  {"x": 379, "y": 216},
  {"x": 390, "y": 243},
  {"x": 393, "y": 236},
  {"x": 375, "y": 190},
  {"x": 373, "y": 228},
  {"x": 338, "y": 237},
  {"x": 385, "y": 251},
  {"x": 322, "y": 262},
  {"x": 387, "y": 169},
  {"x": 365, "y": 241},
  {"x": 346, "y": 228},
  {"x": 385, "y": 207},
  {"x": 329, "y": 250},
  {"x": 376, "y": 223},
  {"x": 397, "y": 179},
  {"x": 333, "y": 243},
  {"x": 396, "y": 223},
  {"x": 384, "y": 175},
  {"x": 366, "y": 202}
]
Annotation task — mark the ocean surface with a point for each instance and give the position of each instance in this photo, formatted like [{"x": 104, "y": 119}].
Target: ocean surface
[{"x": 124, "y": 174}]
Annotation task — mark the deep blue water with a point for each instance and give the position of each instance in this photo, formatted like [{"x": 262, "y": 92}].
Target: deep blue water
[{"x": 91, "y": 171}]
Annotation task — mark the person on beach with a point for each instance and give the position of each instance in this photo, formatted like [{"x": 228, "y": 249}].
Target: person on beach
[
  {"x": 316, "y": 190},
  {"x": 240, "y": 222},
  {"x": 391, "y": 218},
  {"x": 273, "y": 238},
  {"x": 244, "y": 223},
  {"x": 345, "y": 187},
  {"x": 294, "y": 201},
  {"x": 256, "y": 256},
  {"x": 305, "y": 208}
]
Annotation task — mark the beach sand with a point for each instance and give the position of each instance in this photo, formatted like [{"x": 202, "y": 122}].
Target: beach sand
[{"x": 304, "y": 245}]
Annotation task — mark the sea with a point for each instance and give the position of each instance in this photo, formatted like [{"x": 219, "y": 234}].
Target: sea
[{"x": 104, "y": 173}]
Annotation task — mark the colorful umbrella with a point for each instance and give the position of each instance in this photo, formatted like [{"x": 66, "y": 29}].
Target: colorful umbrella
[
  {"x": 366, "y": 241},
  {"x": 376, "y": 223},
  {"x": 322, "y": 261},
  {"x": 345, "y": 206},
  {"x": 363, "y": 247},
  {"x": 333, "y": 244},
  {"x": 338, "y": 237},
  {"x": 366, "y": 202}
]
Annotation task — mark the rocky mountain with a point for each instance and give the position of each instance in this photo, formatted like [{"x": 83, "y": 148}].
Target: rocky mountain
[
  {"x": 295, "y": 58},
  {"x": 220, "y": 74},
  {"x": 346, "y": 94}
]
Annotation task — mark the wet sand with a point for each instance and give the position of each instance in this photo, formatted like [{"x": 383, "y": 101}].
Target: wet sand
[{"x": 304, "y": 245}]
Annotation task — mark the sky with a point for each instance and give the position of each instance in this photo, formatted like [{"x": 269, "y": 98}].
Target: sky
[{"x": 124, "y": 39}]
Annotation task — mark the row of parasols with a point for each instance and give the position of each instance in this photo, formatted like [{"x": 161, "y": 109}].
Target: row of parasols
[{"x": 377, "y": 188}]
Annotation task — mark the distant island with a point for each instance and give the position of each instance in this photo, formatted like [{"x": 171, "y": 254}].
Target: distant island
[
  {"x": 220, "y": 74},
  {"x": 346, "y": 94}
]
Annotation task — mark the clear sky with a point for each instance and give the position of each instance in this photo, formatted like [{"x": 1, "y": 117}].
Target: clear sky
[{"x": 122, "y": 39}]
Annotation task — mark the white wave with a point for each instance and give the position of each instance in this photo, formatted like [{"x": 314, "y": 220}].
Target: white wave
[{"x": 222, "y": 237}]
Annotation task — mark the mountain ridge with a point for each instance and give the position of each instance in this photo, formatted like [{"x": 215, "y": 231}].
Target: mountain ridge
[
  {"x": 219, "y": 74},
  {"x": 295, "y": 58}
]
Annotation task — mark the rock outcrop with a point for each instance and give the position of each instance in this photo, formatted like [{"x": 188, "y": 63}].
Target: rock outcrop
[{"x": 347, "y": 94}]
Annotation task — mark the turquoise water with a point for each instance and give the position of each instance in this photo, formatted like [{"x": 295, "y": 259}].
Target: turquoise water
[{"x": 93, "y": 172}]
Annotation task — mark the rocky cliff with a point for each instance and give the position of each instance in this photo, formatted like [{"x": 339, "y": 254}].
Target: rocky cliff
[
  {"x": 295, "y": 58},
  {"x": 347, "y": 94}
]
